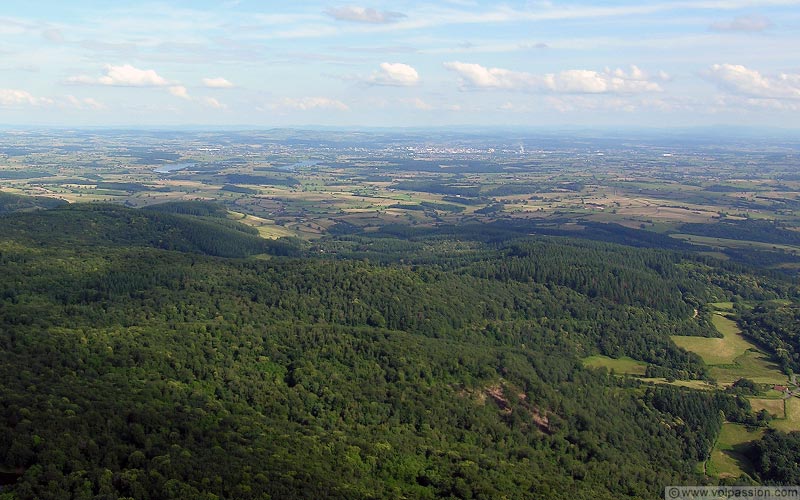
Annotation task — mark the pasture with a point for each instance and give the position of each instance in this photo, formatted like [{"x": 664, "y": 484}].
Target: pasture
[
  {"x": 773, "y": 406},
  {"x": 727, "y": 458},
  {"x": 792, "y": 420},
  {"x": 717, "y": 351}
]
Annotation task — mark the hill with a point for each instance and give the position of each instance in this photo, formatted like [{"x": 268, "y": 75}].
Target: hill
[
  {"x": 10, "y": 202},
  {"x": 89, "y": 225}
]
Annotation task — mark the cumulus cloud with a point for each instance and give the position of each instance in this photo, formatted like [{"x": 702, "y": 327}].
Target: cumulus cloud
[
  {"x": 217, "y": 83},
  {"x": 15, "y": 97},
  {"x": 310, "y": 103},
  {"x": 738, "y": 79},
  {"x": 751, "y": 24},
  {"x": 575, "y": 81},
  {"x": 357, "y": 14},
  {"x": 395, "y": 74},
  {"x": 123, "y": 76},
  {"x": 479, "y": 76}
]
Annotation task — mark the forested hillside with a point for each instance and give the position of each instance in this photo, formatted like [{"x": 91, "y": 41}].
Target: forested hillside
[{"x": 143, "y": 356}]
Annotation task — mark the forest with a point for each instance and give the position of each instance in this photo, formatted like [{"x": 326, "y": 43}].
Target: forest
[{"x": 169, "y": 352}]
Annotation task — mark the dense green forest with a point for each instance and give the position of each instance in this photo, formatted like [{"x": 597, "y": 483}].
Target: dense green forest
[
  {"x": 777, "y": 457},
  {"x": 171, "y": 353},
  {"x": 777, "y": 326}
]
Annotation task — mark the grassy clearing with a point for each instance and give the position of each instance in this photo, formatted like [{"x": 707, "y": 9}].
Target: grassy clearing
[
  {"x": 691, "y": 384},
  {"x": 266, "y": 228},
  {"x": 753, "y": 365},
  {"x": 716, "y": 255},
  {"x": 732, "y": 357},
  {"x": 624, "y": 365},
  {"x": 722, "y": 351},
  {"x": 272, "y": 232},
  {"x": 722, "y": 306},
  {"x": 728, "y": 243},
  {"x": 792, "y": 420},
  {"x": 728, "y": 459},
  {"x": 773, "y": 406}
]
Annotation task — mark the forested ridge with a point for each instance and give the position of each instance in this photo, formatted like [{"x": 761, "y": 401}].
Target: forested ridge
[
  {"x": 776, "y": 326},
  {"x": 143, "y": 356}
]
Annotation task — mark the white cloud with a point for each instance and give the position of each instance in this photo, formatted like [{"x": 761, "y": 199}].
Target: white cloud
[
  {"x": 478, "y": 76},
  {"x": 741, "y": 80},
  {"x": 179, "y": 91},
  {"x": 310, "y": 103},
  {"x": 575, "y": 81},
  {"x": 123, "y": 76},
  {"x": 395, "y": 74},
  {"x": 86, "y": 102},
  {"x": 15, "y": 97},
  {"x": 217, "y": 83},
  {"x": 363, "y": 15},
  {"x": 753, "y": 23},
  {"x": 213, "y": 103}
]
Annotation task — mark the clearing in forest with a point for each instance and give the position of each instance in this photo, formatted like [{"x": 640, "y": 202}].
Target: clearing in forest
[
  {"x": 623, "y": 365},
  {"x": 728, "y": 459},
  {"x": 717, "y": 351}
]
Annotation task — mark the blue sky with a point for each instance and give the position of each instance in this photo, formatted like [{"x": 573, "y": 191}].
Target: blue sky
[{"x": 400, "y": 63}]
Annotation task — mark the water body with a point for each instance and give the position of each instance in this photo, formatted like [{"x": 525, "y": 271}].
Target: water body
[{"x": 173, "y": 167}]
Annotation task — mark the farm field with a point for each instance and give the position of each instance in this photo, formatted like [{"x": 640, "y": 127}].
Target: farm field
[
  {"x": 775, "y": 407},
  {"x": 428, "y": 179},
  {"x": 792, "y": 420}
]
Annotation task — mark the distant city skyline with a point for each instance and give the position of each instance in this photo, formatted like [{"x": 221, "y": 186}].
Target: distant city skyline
[{"x": 400, "y": 63}]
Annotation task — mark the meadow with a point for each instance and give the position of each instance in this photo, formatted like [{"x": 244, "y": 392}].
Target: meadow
[
  {"x": 728, "y": 459},
  {"x": 717, "y": 351}
]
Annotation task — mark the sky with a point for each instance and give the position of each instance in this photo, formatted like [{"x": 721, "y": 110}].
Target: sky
[{"x": 532, "y": 63}]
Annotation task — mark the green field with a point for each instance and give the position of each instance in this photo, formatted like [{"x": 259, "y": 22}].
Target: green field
[
  {"x": 728, "y": 459},
  {"x": 753, "y": 365},
  {"x": 773, "y": 406},
  {"x": 691, "y": 384},
  {"x": 792, "y": 420},
  {"x": 732, "y": 357},
  {"x": 624, "y": 365},
  {"x": 729, "y": 243},
  {"x": 717, "y": 351},
  {"x": 722, "y": 306}
]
